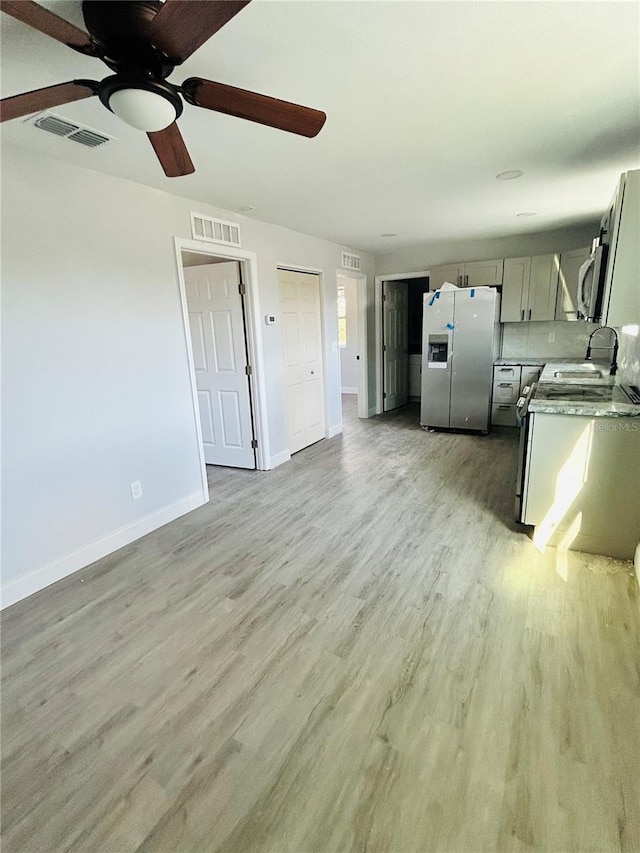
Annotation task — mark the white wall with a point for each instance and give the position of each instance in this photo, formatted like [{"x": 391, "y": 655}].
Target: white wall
[
  {"x": 96, "y": 387},
  {"x": 433, "y": 253}
]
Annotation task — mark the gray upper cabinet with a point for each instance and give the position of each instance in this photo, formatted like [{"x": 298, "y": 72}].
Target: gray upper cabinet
[
  {"x": 472, "y": 274},
  {"x": 483, "y": 273},
  {"x": 515, "y": 290},
  {"x": 529, "y": 289},
  {"x": 449, "y": 272},
  {"x": 567, "y": 301}
]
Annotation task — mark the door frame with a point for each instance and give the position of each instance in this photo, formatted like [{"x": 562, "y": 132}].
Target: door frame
[
  {"x": 323, "y": 338},
  {"x": 396, "y": 276},
  {"x": 363, "y": 363},
  {"x": 253, "y": 333}
]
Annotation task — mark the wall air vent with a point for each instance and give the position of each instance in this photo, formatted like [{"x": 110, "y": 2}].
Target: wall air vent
[
  {"x": 214, "y": 230},
  {"x": 350, "y": 262},
  {"x": 69, "y": 130}
]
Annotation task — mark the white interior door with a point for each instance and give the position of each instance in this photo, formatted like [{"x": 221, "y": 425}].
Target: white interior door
[
  {"x": 395, "y": 320},
  {"x": 303, "y": 367},
  {"x": 220, "y": 359}
]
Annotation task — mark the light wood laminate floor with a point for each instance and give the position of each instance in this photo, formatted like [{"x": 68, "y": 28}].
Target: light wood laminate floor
[{"x": 358, "y": 651}]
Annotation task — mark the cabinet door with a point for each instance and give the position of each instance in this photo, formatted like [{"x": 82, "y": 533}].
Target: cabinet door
[
  {"x": 515, "y": 290},
  {"x": 543, "y": 287},
  {"x": 450, "y": 272},
  {"x": 567, "y": 301},
  {"x": 483, "y": 273}
]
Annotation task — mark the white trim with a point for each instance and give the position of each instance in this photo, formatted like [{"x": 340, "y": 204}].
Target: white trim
[
  {"x": 349, "y": 389},
  {"x": 79, "y": 559},
  {"x": 372, "y": 411},
  {"x": 279, "y": 459},
  {"x": 334, "y": 430},
  {"x": 363, "y": 369},
  {"x": 249, "y": 264},
  {"x": 396, "y": 276}
]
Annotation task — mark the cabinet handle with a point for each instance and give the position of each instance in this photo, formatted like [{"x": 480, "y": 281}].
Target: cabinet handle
[
  {"x": 504, "y": 406},
  {"x": 529, "y": 313},
  {"x": 466, "y": 281},
  {"x": 505, "y": 385},
  {"x": 522, "y": 318}
]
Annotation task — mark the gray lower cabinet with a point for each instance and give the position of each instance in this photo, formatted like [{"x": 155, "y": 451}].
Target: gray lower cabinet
[{"x": 509, "y": 380}]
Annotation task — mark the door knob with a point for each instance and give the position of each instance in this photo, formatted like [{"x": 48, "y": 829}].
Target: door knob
[{"x": 312, "y": 372}]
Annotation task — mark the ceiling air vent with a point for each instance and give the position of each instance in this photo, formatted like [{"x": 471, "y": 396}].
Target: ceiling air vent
[
  {"x": 350, "y": 262},
  {"x": 214, "y": 230},
  {"x": 63, "y": 127}
]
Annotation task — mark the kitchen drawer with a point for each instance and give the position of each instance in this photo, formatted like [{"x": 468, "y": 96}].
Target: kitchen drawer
[
  {"x": 503, "y": 414},
  {"x": 506, "y": 391},
  {"x": 507, "y": 371}
]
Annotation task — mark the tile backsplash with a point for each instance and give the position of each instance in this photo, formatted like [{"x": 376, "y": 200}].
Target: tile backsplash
[
  {"x": 629, "y": 355},
  {"x": 531, "y": 340}
]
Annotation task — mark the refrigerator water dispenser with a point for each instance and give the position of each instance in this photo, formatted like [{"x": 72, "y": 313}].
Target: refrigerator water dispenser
[{"x": 438, "y": 349}]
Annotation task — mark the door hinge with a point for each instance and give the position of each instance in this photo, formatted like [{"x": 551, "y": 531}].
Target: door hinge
[
  {"x": 384, "y": 297},
  {"x": 384, "y": 347},
  {"x": 254, "y": 443},
  {"x": 242, "y": 289},
  {"x": 384, "y": 395},
  {"x": 248, "y": 370}
]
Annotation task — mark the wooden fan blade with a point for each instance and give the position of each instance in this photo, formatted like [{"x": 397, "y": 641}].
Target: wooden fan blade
[
  {"x": 182, "y": 26},
  {"x": 50, "y": 24},
  {"x": 43, "y": 99},
  {"x": 171, "y": 151},
  {"x": 254, "y": 107}
]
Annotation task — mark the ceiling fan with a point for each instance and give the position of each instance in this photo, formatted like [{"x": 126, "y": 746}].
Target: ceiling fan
[{"x": 142, "y": 41}]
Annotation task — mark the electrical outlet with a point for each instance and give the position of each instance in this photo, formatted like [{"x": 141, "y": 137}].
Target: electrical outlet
[
  {"x": 552, "y": 337},
  {"x": 136, "y": 490}
]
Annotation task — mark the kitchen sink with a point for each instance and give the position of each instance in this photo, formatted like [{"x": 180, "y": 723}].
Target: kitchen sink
[
  {"x": 582, "y": 393},
  {"x": 585, "y": 375}
]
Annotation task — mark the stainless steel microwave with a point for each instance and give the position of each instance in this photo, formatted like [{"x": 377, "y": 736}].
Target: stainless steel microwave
[{"x": 591, "y": 281}]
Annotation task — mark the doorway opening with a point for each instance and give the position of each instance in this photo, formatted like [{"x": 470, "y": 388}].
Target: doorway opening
[
  {"x": 399, "y": 309},
  {"x": 217, "y": 318},
  {"x": 352, "y": 339},
  {"x": 243, "y": 358}
]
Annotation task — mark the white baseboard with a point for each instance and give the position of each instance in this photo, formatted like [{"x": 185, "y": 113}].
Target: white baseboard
[
  {"x": 336, "y": 429},
  {"x": 279, "y": 459},
  {"x": 24, "y": 586},
  {"x": 349, "y": 390}
]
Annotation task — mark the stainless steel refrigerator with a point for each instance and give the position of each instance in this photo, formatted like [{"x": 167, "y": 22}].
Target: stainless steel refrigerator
[{"x": 460, "y": 342}]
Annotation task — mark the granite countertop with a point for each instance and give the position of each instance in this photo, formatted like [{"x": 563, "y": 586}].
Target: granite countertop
[
  {"x": 570, "y": 395},
  {"x": 531, "y": 362}
]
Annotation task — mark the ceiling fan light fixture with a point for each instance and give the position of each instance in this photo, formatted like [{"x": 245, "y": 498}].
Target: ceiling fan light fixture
[{"x": 142, "y": 109}]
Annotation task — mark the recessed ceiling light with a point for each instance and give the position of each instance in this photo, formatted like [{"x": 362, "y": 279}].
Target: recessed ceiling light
[
  {"x": 510, "y": 175},
  {"x": 527, "y": 213},
  {"x": 389, "y": 234},
  {"x": 246, "y": 208}
]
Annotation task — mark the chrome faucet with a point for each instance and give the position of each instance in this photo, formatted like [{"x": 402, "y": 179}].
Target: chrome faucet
[{"x": 614, "y": 363}]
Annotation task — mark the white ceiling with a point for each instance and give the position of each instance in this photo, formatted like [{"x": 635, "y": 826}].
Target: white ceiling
[{"x": 426, "y": 103}]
